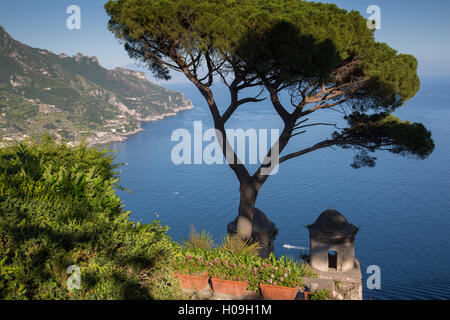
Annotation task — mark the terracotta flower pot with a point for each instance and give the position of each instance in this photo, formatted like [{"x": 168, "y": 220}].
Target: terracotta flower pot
[
  {"x": 306, "y": 295},
  {"x": 197, "y": 282},
  {"x": 278, "y": 292},
  {"x": 237, "y": 288}
]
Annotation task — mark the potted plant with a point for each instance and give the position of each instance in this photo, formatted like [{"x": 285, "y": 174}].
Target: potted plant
[
  {"x": 280, "y": 278},
  {"x": 229, "y": 278},
  {"x": 192, "y": 272}
]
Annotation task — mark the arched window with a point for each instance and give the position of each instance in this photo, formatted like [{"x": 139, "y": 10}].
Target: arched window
[{"x": 332, "y": 259}]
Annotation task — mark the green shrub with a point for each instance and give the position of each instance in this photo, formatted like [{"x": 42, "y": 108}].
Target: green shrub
[
  {"x": 322, "y": 294},
  {"x": 230, "y": 269},
  {"x": 234, "y": 245},
  {"x": 161, "y": 282},
  {"x": 187, "y": 263},
  {"x": 284, "y": 271},
  {"x": 59, "y": 207},
  {"x": 202, "y": 241}
]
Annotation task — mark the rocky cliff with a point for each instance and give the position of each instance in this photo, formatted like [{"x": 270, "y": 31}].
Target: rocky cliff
[{"x": 72, "y": 98}]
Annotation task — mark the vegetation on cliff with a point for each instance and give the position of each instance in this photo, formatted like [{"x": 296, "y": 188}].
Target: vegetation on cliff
[
  {"x": 74, "y": 97},
  {"x": 59, "y": 208}
]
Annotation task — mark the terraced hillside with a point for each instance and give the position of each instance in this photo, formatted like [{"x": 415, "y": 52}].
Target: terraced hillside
[{"x": 72, "y": 98}]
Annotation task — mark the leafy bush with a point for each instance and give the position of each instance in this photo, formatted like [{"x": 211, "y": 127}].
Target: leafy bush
[
  {"x": 186, "y": 263},
  {"x": 283, "y": 272},
  {"x": 161, "y": 282},
  {"x": 228, "y": 269},
  {"x": 233, "y": 244},
  {"x": 202, "y": 241},
  {"x": 58, "y": 207},
  {"x": 322, "y": 294}
]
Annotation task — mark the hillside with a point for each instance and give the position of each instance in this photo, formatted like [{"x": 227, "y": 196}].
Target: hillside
[{"x": 74, "y": 97}]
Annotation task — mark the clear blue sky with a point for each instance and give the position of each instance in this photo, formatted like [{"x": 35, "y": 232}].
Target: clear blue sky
[{"x": 421, "y": 28}]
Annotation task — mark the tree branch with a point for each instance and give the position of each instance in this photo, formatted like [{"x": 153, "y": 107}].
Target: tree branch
[
  {"x": 333, "y": 142},
  {"x": 326, "y": 106},
  {"x": 316, "y": 124},
  {"x": 284, "y": 115}
]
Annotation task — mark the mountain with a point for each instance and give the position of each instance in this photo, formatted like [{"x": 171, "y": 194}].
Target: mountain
[{"x": 72, "y": 98}]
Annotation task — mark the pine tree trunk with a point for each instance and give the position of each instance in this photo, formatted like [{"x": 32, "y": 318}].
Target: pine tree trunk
[{"x": 246, "y": 206}]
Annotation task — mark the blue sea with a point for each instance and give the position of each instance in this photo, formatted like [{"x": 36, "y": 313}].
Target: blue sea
[{"x": 402, "y": 206}]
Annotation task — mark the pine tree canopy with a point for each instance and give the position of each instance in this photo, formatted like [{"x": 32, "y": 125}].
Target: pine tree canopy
[{"x": 324, "y": 56}]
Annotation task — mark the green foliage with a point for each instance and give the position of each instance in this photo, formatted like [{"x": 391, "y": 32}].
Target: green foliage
[
  {"x": 317, "y": 52},
  {"x": 408, "y": 137},
  {"x": 58, "y": 207},
  {"x": 284, "y": 271},
  {"x": 220, "y": 264},
  {"x": 322, "y": 294},
  {"x": 202, "y": 241},
  {"x": 231, "y": 269},
  {"x": 186, "y": 263},
  {"x": 161, "y": 282},
  {"x": 287, "y": 55},
  {"x": 384, "y": 129},
  {"x": 288, "y": 40},
  {"x": 235, "y": 245}
]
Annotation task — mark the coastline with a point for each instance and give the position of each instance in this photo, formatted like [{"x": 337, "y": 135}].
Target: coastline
[
  {"x": 111, "y": 137},
  {"x": 103, "y": 137}
]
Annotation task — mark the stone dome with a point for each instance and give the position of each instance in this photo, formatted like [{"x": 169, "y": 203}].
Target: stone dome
[{"x": 331, "y": 223}]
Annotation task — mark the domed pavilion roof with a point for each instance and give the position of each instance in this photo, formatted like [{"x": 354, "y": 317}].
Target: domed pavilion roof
[{"x": 332, "y": 223}]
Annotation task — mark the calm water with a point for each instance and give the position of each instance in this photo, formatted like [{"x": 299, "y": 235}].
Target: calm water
[{"x": 402, "y": 206}]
